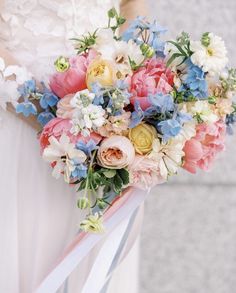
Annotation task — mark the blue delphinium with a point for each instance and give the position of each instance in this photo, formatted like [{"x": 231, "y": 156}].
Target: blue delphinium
[
  {"x": 162, "y": 103},
  {"x": 88, "y": 147},
  {"x": 155, "y": 38},
  {"x": 99, "y": 93},
  {"x": 169, "y": 128},
  {"x": 27, "y": 89},
  {"x": 45, "y": 117},
  {"x": 48, "y": 99},
  {"x": 137, "y": 115},
  {"x": 195, "y": 81},
  {"x": 26, "y": 108},
  {"x": 151, "y": 37},
  {"x": 81, "y": 171},
  {"x": 132, "y": 33}
]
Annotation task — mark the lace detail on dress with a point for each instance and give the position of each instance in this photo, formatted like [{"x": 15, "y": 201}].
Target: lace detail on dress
[{"x": 37, "y": 31}]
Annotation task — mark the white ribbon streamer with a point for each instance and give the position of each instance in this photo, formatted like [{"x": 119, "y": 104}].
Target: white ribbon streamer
[
  {"x": 61, "y": 272},
  {"x": 104, "y": 259}
]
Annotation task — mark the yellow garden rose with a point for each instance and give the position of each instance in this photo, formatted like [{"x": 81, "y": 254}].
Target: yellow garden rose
[
  {"x": 142, "y": 137},
  {"x": 100, "y": 71}
]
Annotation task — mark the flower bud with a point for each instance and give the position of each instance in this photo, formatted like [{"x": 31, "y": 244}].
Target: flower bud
[
  {"x": 147, "y": 50},
  {"x": 83, "y": 203},
  {"x": 62, "y": 64}
]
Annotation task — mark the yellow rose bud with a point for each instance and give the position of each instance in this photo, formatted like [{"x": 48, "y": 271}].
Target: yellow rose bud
[
  {"x": 100, "y": 71},
  {"x": 142, "y": 137}
]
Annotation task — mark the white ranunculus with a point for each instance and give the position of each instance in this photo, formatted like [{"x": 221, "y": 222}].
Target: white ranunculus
[{"x": 212, "y": 58}]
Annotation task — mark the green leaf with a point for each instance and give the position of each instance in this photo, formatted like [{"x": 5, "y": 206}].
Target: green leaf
[
  {"x": 172, "y": 58},
  {"x": 178, "y": 47},
  {"x": 109, "y": 173},
  {"x": 82, "y": 185},
  {"x": 124, "y": 175},
  {"x": 118, "y": 183}
]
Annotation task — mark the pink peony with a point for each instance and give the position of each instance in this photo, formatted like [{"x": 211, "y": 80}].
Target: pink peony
[
  {"x": 153, "y": 78},
  {"x": 56, "y": 127},
  {"x": 201, "y": 150},
  {"x": 74, "y": 79},
  {"x": 145, "y": 173}
]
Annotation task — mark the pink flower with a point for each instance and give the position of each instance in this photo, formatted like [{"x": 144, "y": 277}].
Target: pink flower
[
  {"x": 64, "y": 108},
  {"x": 57, "y": 126},
  {"x": 201, "y": 151},
  {"x": 153, "y": 78},
  {"x": 74, "y": 79},
  {"x": 145, "y": 173}
]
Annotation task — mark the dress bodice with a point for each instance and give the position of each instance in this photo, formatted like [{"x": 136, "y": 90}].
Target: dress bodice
[{"x": 37, "y": 31}]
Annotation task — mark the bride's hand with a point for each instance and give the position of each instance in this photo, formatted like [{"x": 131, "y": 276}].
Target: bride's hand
[{"x": 32, "y": 120}]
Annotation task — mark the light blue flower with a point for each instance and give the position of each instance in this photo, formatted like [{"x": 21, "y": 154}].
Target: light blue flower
[
  {"x": 162, "y": 103},
  {"x": 80, "y": 171},
  {"x": 48, "y": 100},
  {"x": 99, "y": 92},
  {"x": 136, "y": 116},
  {"x": 131, "y": 32},
  {"x": 27, "y": 88},
  {"x": 88, "y": 147},
  {"x": 155, "y": 38},
  {"x": 169, "y": 128},
  {"x": 195, "y": 81},
  {"x": 45, "y": 117},
  {"x": 26, "y": 108}
]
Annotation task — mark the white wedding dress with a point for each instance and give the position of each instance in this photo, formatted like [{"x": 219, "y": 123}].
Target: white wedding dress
[{"x": 38, "y": 214}]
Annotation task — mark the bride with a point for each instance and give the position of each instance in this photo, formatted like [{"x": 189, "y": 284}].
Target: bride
[{"x": 39, "y": 217}]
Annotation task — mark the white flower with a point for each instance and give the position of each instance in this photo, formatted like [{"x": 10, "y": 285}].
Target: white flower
[
  {"x": 119, "y": 52},
  {"x": 93, "y": 116},
  {"x": 187, "y": 132},
  {"x": 211, "y": 58},
  {"x": 8, "y": 93},
  {"x": 203, "y": 110},
  {"x": 168, "y": 156},
  {"x": 82, "y": 99},
  {"x": 21, "y": 73},
  {"x": 78, "y": 126},
  {"x": 64, "y": 155},
  {"x": 8, "y": 88}
]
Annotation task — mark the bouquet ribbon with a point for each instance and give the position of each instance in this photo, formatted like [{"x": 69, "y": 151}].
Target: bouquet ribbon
[{"x": 122, "y": 227}]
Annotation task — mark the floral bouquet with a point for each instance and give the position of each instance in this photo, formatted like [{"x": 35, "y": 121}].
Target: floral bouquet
[{"x": 131, "y": 109}]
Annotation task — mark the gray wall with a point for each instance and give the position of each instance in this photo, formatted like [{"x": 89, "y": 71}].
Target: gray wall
[{"x": 188, "y": 242}]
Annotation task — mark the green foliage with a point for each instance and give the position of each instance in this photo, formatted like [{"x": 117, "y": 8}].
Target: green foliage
[
  {"x": 182, "y": 45},
  {"x": 115, "y": 21},
  {"x": 84, "y": 43}
]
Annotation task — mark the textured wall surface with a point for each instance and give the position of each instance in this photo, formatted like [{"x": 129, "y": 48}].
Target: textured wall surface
[{"x": 188, "y": 240}]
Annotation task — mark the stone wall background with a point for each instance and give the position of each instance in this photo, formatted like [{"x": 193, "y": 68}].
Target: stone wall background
[{"x": 188, "y": 242}]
